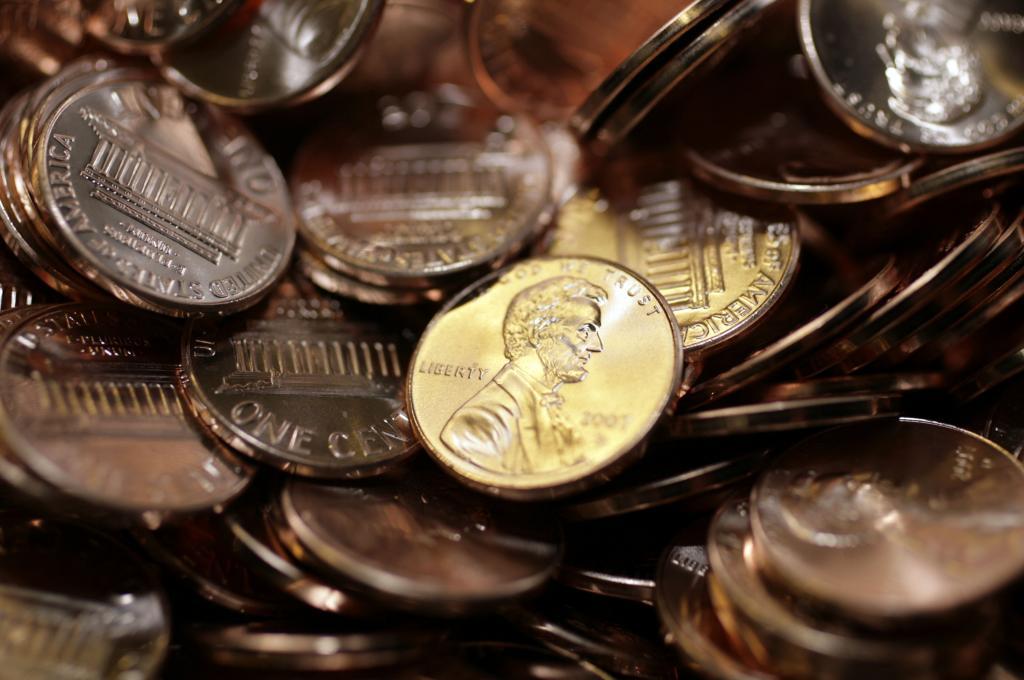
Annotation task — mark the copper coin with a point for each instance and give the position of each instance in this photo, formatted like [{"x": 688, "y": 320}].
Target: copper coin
[
  {"x": 921, "y": 518},
  {"x": 317, "y": 397},
  {"x": 166, "y": 204},
  {"x": 772, "y": 631},
  {"x": 932, "y": 76},
  {"x": 201, "y": 550},
  {"x": 319, "y": 272},
  {"x": 89, "y": 405},
  {"x": 77, "y": 604},
  {"x": 419, "y": 189},
  {"x": 274, "y": 53},
  {"x": 421, "y": 541},
  {"x": 134, "y": 26}
]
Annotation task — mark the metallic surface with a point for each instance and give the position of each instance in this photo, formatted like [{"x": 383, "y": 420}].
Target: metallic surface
[
  {"x": 513, "y": 385},
  {"x": 421, "y": 542},
  {"x": 76, "y": 604},
  {"x": 940, "y": 76},
  {"x": 314, "y": 397},
  {"x": 274, "y": 52},
  {"x": 134, "y": 26},
  {"x": 170, "y": 206},
  {"x": 844, "y": 519},
  {"x": 720, "y": 267},
  {"x": 421, "y": 188},
  {"x": 88, "y": 403}
]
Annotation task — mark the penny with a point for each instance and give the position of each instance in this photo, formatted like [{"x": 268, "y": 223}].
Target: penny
[
  {"x": 942, "y": 77},
  {"x": 659, "y": 480},
  {"x": 88, "y": 405},
  {"x": 833, "y": 322},
  {"x": 953, "y": 527},
  {"x": 781, "y": 416},
  {"x": 712, "y": 42},
  {"x": 773, "y": 138},
  {"x": 421, "y": 189},
  {"x": 202, "y": 551},
  {"x": 336, "y": 283},
  {"x": 955, "y": 256},
  {"x": 780, "y": 638},
  {"x": 600, "y": 634},
  {"x": 255, "y": 529},
  {"x": 316, "y": 397},
  {"x": 513, "y": 385},
  {"x": 875, "y": 383},
  {"x": 552, "y": 60},
  {"x": 630, "y": 578},
  {"x": 720, "y": 267},
  {"x": 421, "y": 542},
  {"x": 990, "y": 375},
  {"x": 146, "y": 25},
  {"x": 274, "y": 53},
  {"x": 686, "y": 613},
  {"x": 153, "y": 226},
  {"x": 75, "y": 603},
  {"x": 305, "y": 648}
]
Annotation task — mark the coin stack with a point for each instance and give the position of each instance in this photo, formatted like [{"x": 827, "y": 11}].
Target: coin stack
[{"x": 427, "y": 339}]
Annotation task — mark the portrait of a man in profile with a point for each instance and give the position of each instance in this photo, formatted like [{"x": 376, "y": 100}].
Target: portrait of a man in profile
[{"x": 515, "y": 424}]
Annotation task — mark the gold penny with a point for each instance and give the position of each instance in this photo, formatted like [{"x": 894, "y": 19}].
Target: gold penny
[{"x": 545, "y": 377}]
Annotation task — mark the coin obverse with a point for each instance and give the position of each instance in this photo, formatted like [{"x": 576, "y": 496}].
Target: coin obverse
[
  {"x": 940, "y": 76},
  {"x": 844, "y": 520},
  {"x": 544, "y": 377}
]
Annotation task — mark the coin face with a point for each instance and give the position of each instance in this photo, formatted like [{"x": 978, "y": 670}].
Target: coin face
[
  {"x": 88, "y": 404},
  {"x": 274, "y": 53},
  {"x": 318, "y": 397},
  {"x": 939, "y": 76},
  {"x": 543, "y": 378},
  {"x": 422, "y": 541},
  {"x": 76, "y": 604},
  {"x": 720, "y": 269},
  {"x": 844, "y": 519},
  {"x": 165, "y": 203},
  {"x": 411, "y": 190},
  {"x": 146, "y": 25}
]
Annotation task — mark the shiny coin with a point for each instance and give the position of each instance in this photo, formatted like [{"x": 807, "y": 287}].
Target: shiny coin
[
  {"x": 550, "y": 60},
  {"x": 545, "y": 377},
  {"x": 781, "y": 416},
  {"x": 254, "y": 528},
  {"x": 891, "y": 323},
  {"x": 609, "y": 635},
  {"x": 932, "y": 76},
  {"x": 318, "y": 397},
  {"x": 88, "y": 405},
  {"x": 783, "y": 352},
  {"x": 711, "y": 42},
  {"x": 871, "y": 383},
  {"x": 203, "y": 233},
  {"x": 892, "y": 519},
  {"x": 689, "y": 619},
  {"x": 421, "y": 542},
  {"x": 416, "y": 190},
  {"x": 297, "y": 648},
  {"x": 274, "y": 53},
  {"x": 778, "y": 637},
  {"x": 319, "y": 272},
  {"x": 134, "y": 26},
  {"x": 76, "y": 604},
  {"x": 720, "y": 267},
  {"x": 661, "y": 479},
  {"x": 625, "y": 573},
  {"x": 990, "y": 375},
  {"x": 773, "y": 138}
]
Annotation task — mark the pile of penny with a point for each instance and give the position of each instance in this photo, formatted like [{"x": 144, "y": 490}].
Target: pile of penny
[{"x": 511, "y": 339}]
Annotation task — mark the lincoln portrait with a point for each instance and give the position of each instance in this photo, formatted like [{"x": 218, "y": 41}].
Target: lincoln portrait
[{"x": 515, "y": 423}]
